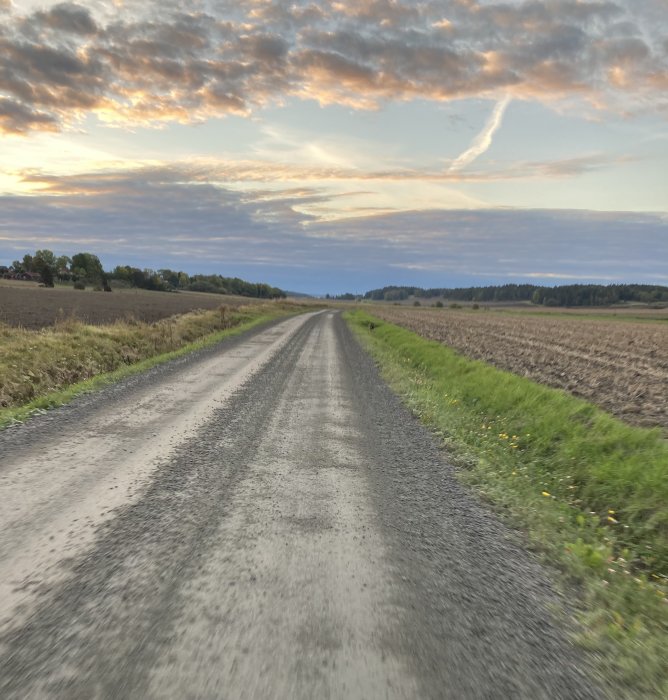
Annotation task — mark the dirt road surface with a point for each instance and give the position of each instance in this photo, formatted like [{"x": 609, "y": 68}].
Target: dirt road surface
[{"x": 261, "y": 520}]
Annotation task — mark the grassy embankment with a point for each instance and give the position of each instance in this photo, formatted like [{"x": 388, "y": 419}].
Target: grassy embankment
[
  {"x": 40, "y": 369},
  {"x": 590, "y": 492}
]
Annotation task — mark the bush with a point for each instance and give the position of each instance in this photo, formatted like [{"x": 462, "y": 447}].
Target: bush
[
  {"x": 79, "y": 285},
  {"x": 416, "y": 303},
  {"x": 475, "y": 307},
  {"x": 47, "y": 276},
  {"x": 439, "y": 304}
]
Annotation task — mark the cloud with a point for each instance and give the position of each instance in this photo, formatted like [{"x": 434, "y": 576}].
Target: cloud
[
  {"x": 16, "y": 117},
  {"x": 449, "y": 248},
  {"x": 150, "y": 62},
  {"x": 259, "y": 178},
  {"x": 177, "y": 217},
  {"x": 68, "y": 18},
  {"x": 484, "y": 139}
]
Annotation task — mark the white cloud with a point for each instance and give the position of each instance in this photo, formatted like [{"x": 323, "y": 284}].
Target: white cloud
[{"x": 483, "y": 140}]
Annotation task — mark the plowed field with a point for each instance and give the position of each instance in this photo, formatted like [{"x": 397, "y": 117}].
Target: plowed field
[
  {"x": 620, "y": 366},
  {"x": 29, "y": 306}
]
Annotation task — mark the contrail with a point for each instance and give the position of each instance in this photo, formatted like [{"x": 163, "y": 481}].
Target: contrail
[{"x": 484, "y": 139}]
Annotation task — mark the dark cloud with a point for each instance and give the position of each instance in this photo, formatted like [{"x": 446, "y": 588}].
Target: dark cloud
[
  {"x": 156, "y": 62},
  {"x": 15, "y": 118},
  {"x": 171, "y": 216},
  {"x": 443, "y": 248},
  {"x": 46, "y": 67},
  {"x": 69, "y": 18},
  {"x": 267, "y": 49},
  {"x": 403, "y": 65},
  {"x": 47, "y": 83}
]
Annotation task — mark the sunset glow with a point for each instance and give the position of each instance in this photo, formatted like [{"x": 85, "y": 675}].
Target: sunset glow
[{"x": 329, "y": 147}]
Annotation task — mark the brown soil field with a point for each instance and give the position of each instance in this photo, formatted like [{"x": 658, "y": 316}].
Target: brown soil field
[
  {"x": 27, "y": 305},
  {"x": 630, "y": 311},
  {"x": 621, "y": 366}
]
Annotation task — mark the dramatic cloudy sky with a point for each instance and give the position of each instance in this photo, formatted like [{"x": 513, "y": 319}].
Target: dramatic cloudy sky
[{"x": 339, "y": 146}]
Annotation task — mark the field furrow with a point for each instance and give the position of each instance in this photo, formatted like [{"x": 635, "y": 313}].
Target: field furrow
[{"x": 622, "y": 366}]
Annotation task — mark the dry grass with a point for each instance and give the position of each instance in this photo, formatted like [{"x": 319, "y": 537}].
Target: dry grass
[
  {"x": 621, "y": 366},
  {"x": 34, "y": 363}
]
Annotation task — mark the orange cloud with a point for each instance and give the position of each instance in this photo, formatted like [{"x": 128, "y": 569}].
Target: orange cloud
[{"x": 59, "y": 64}]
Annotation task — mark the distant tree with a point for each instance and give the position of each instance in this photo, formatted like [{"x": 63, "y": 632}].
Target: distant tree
[
  {"x": 137, "y": 277},
  {"x": 169, "y": 277},
  {"x": 564, "y": 295},
  {"x": 87, "y": 267},
  {"x": 44, "y": 257},
  {"x": 47, "y": 275},
  {"x": 63, "y": 263},
  {"x": 203, "y": 286},
  {"x": 44, "y": 263},
  {"x": 184, "y": 280},
  {"x": 27, "y": 263},
  {"x": 396, "y": 294}
]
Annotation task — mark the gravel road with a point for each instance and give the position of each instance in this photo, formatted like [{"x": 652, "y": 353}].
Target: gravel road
[{"x": 262, "y": 519}]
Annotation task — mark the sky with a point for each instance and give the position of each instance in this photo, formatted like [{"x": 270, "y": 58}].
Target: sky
[{"x": 327, "y": 147}]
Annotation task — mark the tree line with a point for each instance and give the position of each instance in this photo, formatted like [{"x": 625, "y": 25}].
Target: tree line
[
  {"x": 563, "y": 295},
  {"x": 86, "y": 269}
]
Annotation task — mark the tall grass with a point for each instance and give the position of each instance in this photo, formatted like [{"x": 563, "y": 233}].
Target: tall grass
[
  {"x": 590, "y": 491},
  {"x": 35, "y": 364}
]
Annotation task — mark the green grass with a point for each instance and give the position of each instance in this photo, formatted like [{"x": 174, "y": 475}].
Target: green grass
[
  {"x": 43, "y": 369},
  {"x": 590, "y": 492}
]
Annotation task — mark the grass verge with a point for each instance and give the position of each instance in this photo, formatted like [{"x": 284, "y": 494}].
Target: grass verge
[
  {"x": 47, "y": 368},
  {"x": 590, "y": 492}
]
